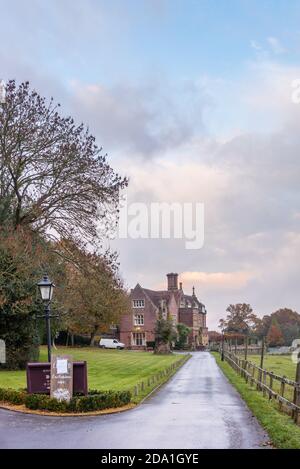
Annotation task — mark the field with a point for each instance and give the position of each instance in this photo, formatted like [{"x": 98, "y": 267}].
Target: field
[
  {"x": 107, "y": 369},
  {"x": 280, "y": 427},
  {"x": 281, "y": 365}
]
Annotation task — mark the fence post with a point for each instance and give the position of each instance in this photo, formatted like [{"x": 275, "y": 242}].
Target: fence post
[
  {"x": 271, "y": 384},
  {"x": 262, "y": 352},
  {"x": 264, "y": 381},
  {"x": 282, "y": 388},
  {"x": 260, "y": 374},
  {"x": 253, "y": 374},
  {"x": 297, "y": 390},
  {"x": 246, "y": 347},
  {"x": 222, "y": 350},
  {"x": 246, "y": 375}
]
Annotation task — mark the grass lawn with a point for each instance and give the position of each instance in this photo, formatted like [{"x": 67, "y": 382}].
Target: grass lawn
[
  {"x": 283, "y": 432},
  {"x": 281, "y": 365},
  {"x": 107, "y": 369}
]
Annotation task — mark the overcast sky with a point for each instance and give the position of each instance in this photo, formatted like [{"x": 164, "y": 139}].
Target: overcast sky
[{"x": 193, "y": 101}]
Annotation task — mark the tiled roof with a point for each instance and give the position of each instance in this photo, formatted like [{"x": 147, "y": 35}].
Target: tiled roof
[{"x": 157, "y": 296}]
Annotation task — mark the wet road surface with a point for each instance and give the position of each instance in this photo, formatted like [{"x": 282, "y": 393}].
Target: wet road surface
[{"x": 197, "y": 408}]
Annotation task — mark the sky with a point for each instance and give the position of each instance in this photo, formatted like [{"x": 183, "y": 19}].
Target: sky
[{"x": 192, "y": 100}]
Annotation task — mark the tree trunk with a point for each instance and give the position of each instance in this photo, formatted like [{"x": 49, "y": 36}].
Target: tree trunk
[
  {"x": 93, "y": 336},
  {"x": 92, "y": 339}
]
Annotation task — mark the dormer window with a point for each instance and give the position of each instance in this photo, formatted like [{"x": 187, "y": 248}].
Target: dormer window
[{"x": 138, "y": 303}]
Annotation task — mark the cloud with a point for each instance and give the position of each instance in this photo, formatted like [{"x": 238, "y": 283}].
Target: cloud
[
  {"x": 213, "y": 280},
  {"x": 144, "y": 119},
  {"x": 249, "y": 185},
  {"x": 255, "y": 45},
  {"x": 276, "y": 45},
  {"x": 230, "y": 141}
]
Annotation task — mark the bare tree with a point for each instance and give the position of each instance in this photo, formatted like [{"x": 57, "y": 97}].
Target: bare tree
[{"x": 53, "y": 177}]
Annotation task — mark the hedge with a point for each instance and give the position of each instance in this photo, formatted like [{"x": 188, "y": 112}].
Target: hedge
[{"x": 95, "y": 400}]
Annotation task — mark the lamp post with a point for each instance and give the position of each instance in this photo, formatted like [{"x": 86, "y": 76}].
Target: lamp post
[{"x": 46, "y": 289}]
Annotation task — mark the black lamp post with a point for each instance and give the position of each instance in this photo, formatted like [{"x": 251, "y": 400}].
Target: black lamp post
[{"x": 46, "y": 289}]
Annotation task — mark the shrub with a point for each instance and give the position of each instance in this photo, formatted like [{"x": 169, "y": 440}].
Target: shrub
[
  {"x": 95, "y": 400},
  {"x": 12, "y": 396},
  {"x": 150, "y": 344}
]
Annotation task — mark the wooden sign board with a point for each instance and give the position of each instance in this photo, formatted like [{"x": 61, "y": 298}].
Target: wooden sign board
[
  {"x": 61, "y": 377},
  {"x": 38, "y": 378}
]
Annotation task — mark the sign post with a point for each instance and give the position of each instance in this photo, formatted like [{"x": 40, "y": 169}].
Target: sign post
[{"x": 61, "y": 377}]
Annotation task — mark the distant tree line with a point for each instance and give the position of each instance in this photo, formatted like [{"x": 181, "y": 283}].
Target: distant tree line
[{"x": 278, "y": 328}]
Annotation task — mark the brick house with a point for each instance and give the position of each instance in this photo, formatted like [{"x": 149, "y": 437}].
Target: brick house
[{"x": 138, "y": 327}]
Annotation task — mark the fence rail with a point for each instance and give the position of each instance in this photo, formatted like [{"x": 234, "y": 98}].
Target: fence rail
[
  {"x": 279, "y": 388},
  {"x": 158, "y": 378}
]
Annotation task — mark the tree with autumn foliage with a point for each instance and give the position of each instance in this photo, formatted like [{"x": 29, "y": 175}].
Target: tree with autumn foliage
[
  {"x": 214, "y": 336},
  {"x": 275, "y": 336},
  {"x": 23, "y": 259},
  {"x": 55, "y": 185},
  {"x": 240, "y": 319},
  {"x": 94, "y": 294},
  {"x": 54, "y": 179}
]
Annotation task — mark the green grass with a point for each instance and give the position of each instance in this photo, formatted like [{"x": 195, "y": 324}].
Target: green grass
[
  {"x": 281, "y": 365},
  {"x": 107, "y": 369},
  {"x": 283, "y": 432}
]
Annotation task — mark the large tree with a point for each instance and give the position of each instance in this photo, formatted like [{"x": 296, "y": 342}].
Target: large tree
[
  {"x": 55, "y": 185},
  {"x": 53, "y": 176},
  {"x": 165, "y": 335},
  {"x": 288, "y": 321},
  {"x": 94, "y": 294},
  {"x": 275, "y": 337},
  {"x": 240, "y": 319},
  {"x": 23, "y": 258}
]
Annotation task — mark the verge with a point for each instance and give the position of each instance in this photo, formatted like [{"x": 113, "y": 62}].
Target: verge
[{"x": 283, "y": 432}]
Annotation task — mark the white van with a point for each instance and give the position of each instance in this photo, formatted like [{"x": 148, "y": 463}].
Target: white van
[{"x": 111, "y": 343}]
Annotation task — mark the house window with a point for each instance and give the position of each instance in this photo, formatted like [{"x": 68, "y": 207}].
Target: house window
[
  {"x": 138, "y": 319},
  {"x": 139, "y": 339},
  {"x": 138, "y": 303}
]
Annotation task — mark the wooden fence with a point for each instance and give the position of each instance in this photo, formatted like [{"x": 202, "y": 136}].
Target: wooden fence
[
  {"x": 158, "y": 378},
  {"x": 285, "y": 391}
]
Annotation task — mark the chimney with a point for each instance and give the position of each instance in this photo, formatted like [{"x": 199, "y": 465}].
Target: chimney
[{"x": 172, "y": 281}]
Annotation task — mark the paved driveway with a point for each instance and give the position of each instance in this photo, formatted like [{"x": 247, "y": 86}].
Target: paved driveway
[{"x": 197, "y": 408}]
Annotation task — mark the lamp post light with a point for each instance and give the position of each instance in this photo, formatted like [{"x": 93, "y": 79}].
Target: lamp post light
[{"x": 46, "y": 288}]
